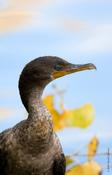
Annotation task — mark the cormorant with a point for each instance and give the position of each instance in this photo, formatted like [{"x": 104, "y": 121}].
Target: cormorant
[{"x": 32, "y": 147}]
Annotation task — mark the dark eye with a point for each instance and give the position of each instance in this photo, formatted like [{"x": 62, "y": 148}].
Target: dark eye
[{"x": 58, "y": 67}]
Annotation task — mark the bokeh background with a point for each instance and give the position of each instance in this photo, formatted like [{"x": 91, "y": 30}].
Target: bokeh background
[{"x": 79, "y": 31}]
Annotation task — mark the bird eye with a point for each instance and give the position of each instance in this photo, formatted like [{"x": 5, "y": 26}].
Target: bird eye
[{"x": 58, "y": 67}]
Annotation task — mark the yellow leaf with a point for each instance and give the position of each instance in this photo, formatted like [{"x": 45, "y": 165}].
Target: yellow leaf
[
  {"x": 69, "y": 160},
  {"x": 92, "y": 168},
  {"x": 49, "y": 102},
  {"x": 57, "y": 119},
  {"x": 81, "y": 117},
  {"x": 89, "y": 168},
  {"x": 92, "y": 148},
  {"x": 76, "y": 170}
]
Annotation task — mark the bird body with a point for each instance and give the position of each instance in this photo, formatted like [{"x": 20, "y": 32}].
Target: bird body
[
  {"x": 32, "y": 147},
  {"x": 17, "y": 158},
  {"x": 36, "y": 152}
]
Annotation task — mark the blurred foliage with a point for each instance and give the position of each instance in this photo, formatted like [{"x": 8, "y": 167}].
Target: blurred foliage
[
  {"x": 92, "y": 148},
  {"x": 88, "y": 168},
  {"x": 69, "y": 160},
  {"x": 82, "y": 118}
]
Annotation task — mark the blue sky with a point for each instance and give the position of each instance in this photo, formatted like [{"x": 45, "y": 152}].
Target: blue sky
[{"x": 79, "y": 31}]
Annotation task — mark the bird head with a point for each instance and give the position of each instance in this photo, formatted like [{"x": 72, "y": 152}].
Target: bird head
[
  {"x": 45, "y": 69},
  {"x": 41, "y": 71}
]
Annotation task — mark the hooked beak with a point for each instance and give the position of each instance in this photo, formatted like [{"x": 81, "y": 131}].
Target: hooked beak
[{"x": 72, "y": 68}]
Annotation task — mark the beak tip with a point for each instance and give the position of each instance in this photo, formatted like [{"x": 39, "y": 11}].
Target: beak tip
[{"x": 92, "y": 66}]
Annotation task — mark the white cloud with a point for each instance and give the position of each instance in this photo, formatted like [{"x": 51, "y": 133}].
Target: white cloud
[
  {"x": 100, "y": 40},
  {"x": 74, "y": 25},
  {"x": 2, "y": 4},
  {"x": 17, "y": 14},
  {"x": 97, "y": 39},
  {"x": 83, "y": 1},
  {"x": 5, "y": 112}
]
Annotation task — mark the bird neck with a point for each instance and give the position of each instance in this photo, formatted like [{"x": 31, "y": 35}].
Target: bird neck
[
  {"x": 39, "y": 122},
  {"x": 31, "y": 96},
  {"x": 34, "y": 100},
  {"x": 37, "y": 110}
]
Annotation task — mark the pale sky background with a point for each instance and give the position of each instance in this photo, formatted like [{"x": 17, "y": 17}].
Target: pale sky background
[{"x": 77, "y": 30}]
